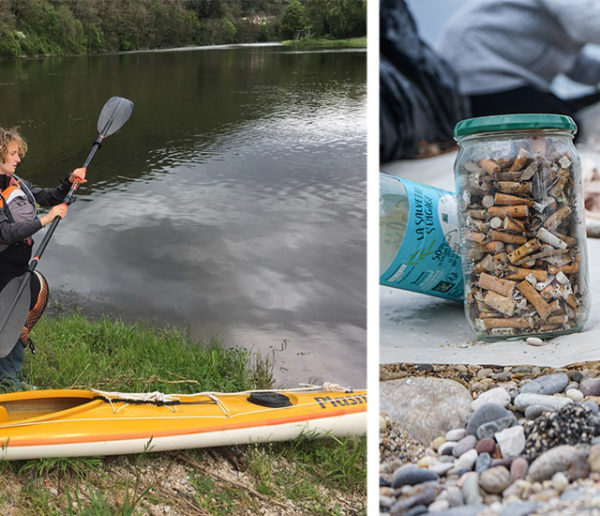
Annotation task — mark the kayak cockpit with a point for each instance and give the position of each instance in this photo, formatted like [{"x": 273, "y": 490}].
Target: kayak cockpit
[{"x": 19, "y": 409}]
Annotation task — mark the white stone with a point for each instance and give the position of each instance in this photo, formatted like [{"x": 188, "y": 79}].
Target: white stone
[
  {"x": 439, "y": 505},
  {"x": 560, "y": 481},
  {"x": 575, "y": 394},
  {"x": 511, "y": 441},
  {"x": 456, "y": 434},
  {"x": 497, "y": 395},
  {"x": 534, "y": 341},
  {"x": 523, "y": 400},
  {"x": 441, "y": 467},
  {"x": 466, "y": 460}
]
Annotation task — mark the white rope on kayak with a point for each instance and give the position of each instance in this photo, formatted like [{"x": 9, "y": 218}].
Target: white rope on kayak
[{"x": 155, "y": 397}]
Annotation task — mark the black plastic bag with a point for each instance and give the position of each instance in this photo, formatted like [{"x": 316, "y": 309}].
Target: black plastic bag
[{"x": 419, "y": 98}]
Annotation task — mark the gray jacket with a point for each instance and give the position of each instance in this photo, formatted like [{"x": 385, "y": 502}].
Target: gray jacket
[{"x": 498, "y": 45}]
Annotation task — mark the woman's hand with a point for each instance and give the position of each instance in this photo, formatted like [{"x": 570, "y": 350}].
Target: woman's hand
[
  {"x": 60, "y": 210},
  {"x": 78, "y": 175}
]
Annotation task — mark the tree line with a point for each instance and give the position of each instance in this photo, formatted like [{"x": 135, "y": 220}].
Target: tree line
[{"x": 59, "y": 27}]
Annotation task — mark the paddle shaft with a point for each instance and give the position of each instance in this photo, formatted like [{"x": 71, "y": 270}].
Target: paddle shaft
[{"x": 67, "y": 200}]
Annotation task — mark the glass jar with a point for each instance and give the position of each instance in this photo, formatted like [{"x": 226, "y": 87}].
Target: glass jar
[
  {"x": 522, "y": 228},
  {"x": 418, "y": 238}
]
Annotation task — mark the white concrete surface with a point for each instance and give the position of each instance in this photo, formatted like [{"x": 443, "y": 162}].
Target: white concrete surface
[{"x": 416, "y": 328}]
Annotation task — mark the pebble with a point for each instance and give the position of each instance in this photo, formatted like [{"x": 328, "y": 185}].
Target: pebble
[
  {"x": 411, "y": 476},
  {"x": 495, "y": 480},
  {"x": 446, "y": 448},
  {"x": 552, "y": 461},
  {"x": 437, "y": 442},
  {"x": 575, "y": 394},
  {"x": 485, "y": 445},
  {"x": 524, "y": 400},
  {"x": 492, "y": 427},
  {"x": 518, "y": 469},
  {"x": 520, "y": 509},
  {"x": 547, "y": 384},
  {"x": 497, "y": 395},
  {"x": 511, "y": 441},
  {"x": 594, "y": 458},
  {"x": 484, "y": 373},
  {"x": 456, "y": 434},
  {"x": 590, "y": 386},
  {"x": 485, "y": 414},
  {"x": 560, "y": 481},
  {"x": 470, "y": 488},
  {"x": 466, "y": 460},
  {"x": 464, "y": 445},
  {"x": 483, "y": 462},
  {"x": 534, "y": 341},
  {"x": 592, "y": 405},
  {"x": 534, "y": 411}
]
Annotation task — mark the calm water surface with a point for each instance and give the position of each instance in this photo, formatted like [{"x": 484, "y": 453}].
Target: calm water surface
[{"x": 232, "y": 203}]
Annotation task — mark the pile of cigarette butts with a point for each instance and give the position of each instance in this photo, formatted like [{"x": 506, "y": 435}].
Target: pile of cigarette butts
[{"x": 524, "y": 239}]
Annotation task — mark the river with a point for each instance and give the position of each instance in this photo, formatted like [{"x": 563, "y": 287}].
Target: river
[{"x": 231, "y": 204}]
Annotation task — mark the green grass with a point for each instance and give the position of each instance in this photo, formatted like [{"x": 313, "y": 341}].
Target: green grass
[
  {"x": 316, "y": 43},
  {"x": 112, "y": 355}
]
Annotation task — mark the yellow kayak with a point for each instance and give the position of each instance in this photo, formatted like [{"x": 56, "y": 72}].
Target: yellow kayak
[{"x": 74, "y": 423}]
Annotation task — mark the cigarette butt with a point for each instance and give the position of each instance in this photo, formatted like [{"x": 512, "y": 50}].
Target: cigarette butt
[
  {"x": 571, "y": 301},
  {"x": 557, "y": 189},
  {"x": 556, "y": 219},
  {"x": 565, "y": 269},
  {"x": 502, "y": 199},
  {"x": 508, "y": 322},
  {"x": 500, "y": 303},
  {"x": 514, "y": 187},
  {"x": 548, "y": 292},
  {"x": 570, "y": 241},
  {"x": 520, "y": 160},
  {"x": 547, "y": 236},
  {"x": 473, "y": 236},
  {"x": 555, "y": 306},
  {"x": 480, "y": 225},
  {"x": 486, "y": 264},
  {"x": 519, "y": 273},
  {"x": 494, "y": 246},
  {"x": 501, "y": 258},
  {"x": 478, "y": 214},
  {"x": 507, "y": 237},
  {"x": 487, "y": 201},
  {"x": 516, "y": 211},
  {"x": 538, "y": 146},
  {"x": 513, "y": 177},
  {"x": 558, "y": 319},
  {"x": 536, "y": 300},
  {"x": 525, "y": 250},
  {"x": 500, "y": 286},
  {"x": 489, "y": 165},
  {"x": 510, "y": 224}
]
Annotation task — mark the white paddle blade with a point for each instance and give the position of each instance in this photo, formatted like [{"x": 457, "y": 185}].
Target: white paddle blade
[{"x": 15, "y": 299}]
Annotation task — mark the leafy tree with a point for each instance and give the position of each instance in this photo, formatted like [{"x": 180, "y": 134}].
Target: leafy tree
[
  {"x": 294, "y": 19},
  {"x": 337, "y": 18}
]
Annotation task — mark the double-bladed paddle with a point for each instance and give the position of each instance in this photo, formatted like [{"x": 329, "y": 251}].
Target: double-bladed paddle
[{"x": 15, "y": 297}]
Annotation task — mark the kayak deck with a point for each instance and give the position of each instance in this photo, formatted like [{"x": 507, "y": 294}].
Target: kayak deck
[{"x": 87, "y": 422}]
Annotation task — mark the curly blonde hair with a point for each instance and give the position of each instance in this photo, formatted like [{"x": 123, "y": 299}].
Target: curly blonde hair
[{"x": 7, "y": 136}]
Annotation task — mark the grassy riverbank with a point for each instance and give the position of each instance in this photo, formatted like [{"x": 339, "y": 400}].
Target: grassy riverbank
[
  {"x": 325, "y": 476},
  {"x": 316, "y": 43}
]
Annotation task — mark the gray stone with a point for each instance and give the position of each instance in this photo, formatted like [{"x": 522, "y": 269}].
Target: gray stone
[
  {"x": 522, "y": 401},
  {"x": 483, "y": 462},
  {"x": 520, "y": 508},
  {"x": 464, "y": 510},
  {"x": 425, "y": 407},
  {"x": 446, "y": 448},
  {"x": 438, "y": 505},
  {"x": 422, "y": 499},
  {"x": 511, "y": 441},
  {"x": 492, "y": 427},
  {"x": 454, "y": 496},
  {"x": 411, "y": 476},
  {"x": 535, "y": 411},
  {"x": 497, "y": 395},
  {"x": 464, "y": 445},
  {"x": 441, "y": 467},
  {"x": 592, "y": 405},
  {"x": 385, "y": 502},
  {"x": 553, "y": 460},
  {"x": 484, "y": 414},
  {"x": 571, "y": 495},
  {"x": 577, "y": 376},
  {"x": 590, "y": 386},
  {"x": 470, "y": 488},
  {"x": 547, "y": 384}
]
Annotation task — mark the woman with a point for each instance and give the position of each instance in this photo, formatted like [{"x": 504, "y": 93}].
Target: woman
[{"x": 18, "y": 222}]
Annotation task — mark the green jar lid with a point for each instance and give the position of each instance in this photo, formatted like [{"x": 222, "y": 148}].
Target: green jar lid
[{"x": 524, "y": 121}]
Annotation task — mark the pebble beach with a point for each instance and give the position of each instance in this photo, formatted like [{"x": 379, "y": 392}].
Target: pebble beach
[{"x": 489, "y": 440}]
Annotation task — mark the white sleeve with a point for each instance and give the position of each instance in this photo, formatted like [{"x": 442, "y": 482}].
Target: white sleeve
[
  {"x": 579, "y": 18},
  {"x": 586, "y": 69}
]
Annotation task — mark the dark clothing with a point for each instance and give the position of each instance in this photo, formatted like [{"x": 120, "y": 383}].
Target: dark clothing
[{"x": 14, "y": 259}]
